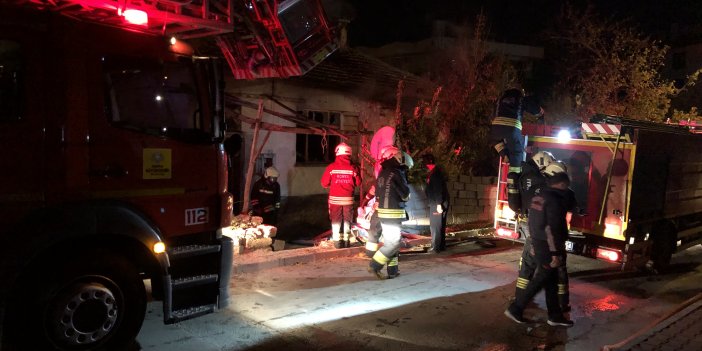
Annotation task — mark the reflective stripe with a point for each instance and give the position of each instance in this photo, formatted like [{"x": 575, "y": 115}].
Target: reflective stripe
[
  {"x": 562, "y": 289},
  {"x": 515, "y": 169},
  {"x": 393, "y": 262},
  {"x": 342, "y": 171},
  {"x": 391, "y": 213},
  {"x": 371, "y": 246},
  {"x": 513, "y": 191},
  {"x": 522, "y": 283},
  {"x": 499, "y": 147},
  {"x": 506, "y": 121},
  {"x": 341, "y": 200},
  {"x": 380, "y": 258}
]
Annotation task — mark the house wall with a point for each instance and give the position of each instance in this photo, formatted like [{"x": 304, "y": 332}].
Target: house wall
[{"x": 302, "y": 180}]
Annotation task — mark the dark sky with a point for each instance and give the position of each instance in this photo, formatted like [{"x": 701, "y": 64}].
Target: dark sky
[{"x": 377, "y": 22}]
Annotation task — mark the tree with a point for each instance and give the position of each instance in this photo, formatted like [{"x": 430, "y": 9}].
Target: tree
[
  {"x": 454, "y": 125},
  {"x": 608, "y": 67}
]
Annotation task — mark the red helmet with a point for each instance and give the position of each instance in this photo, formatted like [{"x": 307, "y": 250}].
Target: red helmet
[{"x": 342, "y": 149}]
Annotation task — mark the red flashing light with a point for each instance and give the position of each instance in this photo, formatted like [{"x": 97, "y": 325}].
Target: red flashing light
[
  {"x": 135, "y": 16},
  {"x": 507, "y": 233},
  {"x": 609, "y": 255}
]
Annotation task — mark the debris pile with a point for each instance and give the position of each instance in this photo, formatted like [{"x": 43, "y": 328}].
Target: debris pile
[{"x": 249, "y": 233}]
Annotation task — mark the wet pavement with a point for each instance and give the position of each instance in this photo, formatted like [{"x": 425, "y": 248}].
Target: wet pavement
[{"x": 680, "y": 330}]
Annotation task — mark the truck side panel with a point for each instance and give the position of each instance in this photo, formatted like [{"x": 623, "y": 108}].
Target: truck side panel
[{"x": 667, "y": 177}]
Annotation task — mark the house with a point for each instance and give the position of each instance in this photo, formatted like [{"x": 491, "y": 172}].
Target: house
[{"x": 346, "y": 98}]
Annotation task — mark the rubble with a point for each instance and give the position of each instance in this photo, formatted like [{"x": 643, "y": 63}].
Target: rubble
[{"x": 249, "y": 233}]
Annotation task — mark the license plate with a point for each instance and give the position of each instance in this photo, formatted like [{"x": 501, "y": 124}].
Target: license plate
[{"x": 569, "y": 246}]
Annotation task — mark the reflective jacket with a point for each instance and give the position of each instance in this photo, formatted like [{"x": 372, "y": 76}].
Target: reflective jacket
[
  {"x": 341, "y": 177},
  {"x": 265, "y": 196},
  {"x": 391, "y": 191},
  {"x": 531, "y": 181},
  {"x": 511, "y": 106}
]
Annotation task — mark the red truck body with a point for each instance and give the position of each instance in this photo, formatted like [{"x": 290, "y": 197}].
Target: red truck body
[{"x": 638, "y": 184}]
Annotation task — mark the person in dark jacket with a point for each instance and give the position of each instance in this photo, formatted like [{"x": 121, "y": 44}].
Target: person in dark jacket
[
  {"x": 506, "y": 128},
  {"x": 438, "y": 201},
  {"x": 549, "y": 231},
  {"x": 531, "y": 181},
  {"x": 341, "y": 177},
  {"x": 265, "y": 197},
  {"x": 391, "y": 191}
]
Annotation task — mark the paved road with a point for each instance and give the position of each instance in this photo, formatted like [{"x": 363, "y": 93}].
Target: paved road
[{"x": 453, "y": 301}]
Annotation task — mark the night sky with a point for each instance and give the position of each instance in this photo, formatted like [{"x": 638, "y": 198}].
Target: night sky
[{"x": 378, "y": 22}]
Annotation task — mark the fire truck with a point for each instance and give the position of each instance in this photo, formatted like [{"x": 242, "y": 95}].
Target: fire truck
[
  {"x": 638, "y": 186},
  {"x": 113, "y": 176}
]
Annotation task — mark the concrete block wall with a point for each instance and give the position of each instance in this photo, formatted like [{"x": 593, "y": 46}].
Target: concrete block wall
[{"x": 472, "y": 200}]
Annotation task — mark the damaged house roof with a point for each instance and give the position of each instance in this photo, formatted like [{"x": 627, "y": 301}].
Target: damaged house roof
[{"x": 364, "y": 76}]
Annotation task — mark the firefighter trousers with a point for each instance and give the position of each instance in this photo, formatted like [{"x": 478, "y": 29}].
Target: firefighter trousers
[
  {"x": 389, "y": 253},
  {"x": 527, "y": 267},
  {"x": 513, "y": 147},
  {"x": 374, "y": 233},
  {"x": 545, "y": 278},
  {"x": 341, "y": 217}
]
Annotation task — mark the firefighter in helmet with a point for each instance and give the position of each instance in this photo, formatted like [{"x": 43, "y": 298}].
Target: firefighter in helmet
[
  {"x": 341, "y": 177},
  {"x": 532, "y": 184},
  {"x": 506, "y": 133},
  {"x": 265, "y": 196},
  {"x": 392, "y": 191},
  {"x": 375, "y": 230}
]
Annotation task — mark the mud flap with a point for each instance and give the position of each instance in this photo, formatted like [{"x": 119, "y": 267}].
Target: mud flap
[{"x": 636, "y": 255}]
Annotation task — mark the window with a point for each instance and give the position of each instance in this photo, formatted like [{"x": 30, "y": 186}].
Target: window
[
  {"x": 313, "y": 149},
  {"x": 154, "y": 98},
  {"x": 10, "y": 81}
]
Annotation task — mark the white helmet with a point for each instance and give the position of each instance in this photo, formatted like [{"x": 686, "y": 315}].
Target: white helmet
[
  {"x": 271, "y": 172},
  {"x": 408, "y": 161},
  {"x": 554, "y": 168},
  {"x": 342, "y": 149},
  {"x": 543, "y": 159},
  {"x": 388, "y": 152}
]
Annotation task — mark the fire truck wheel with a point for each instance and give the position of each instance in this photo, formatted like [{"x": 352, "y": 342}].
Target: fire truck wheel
[
  {"x": 663, "y": 249},
  {"x": 93, "y": 303}
]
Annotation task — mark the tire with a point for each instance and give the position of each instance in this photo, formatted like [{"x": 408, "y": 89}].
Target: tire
[
  {"x": 663, "y": 249},
  {"x": 96, "y": 302}
]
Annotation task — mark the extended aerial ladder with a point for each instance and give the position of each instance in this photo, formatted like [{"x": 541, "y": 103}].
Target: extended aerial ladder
[{"x": 258, "y": 38}]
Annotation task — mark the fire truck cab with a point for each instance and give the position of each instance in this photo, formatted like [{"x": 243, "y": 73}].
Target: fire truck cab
[
  {"x": 114, "y": 176},
  {"x": 638, "y": 186}
]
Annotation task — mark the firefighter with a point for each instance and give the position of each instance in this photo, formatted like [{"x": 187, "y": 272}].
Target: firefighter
[
  {"x": 549, "y": 229},
  {"x": 438, "y": 201},
  {"x": 341, "y": 177},
  {"x": 265, "y": 196},
  {"x": 530, "y": 183},
  {"x": 375, "y": 229},
  {"x": 506, "y": 135},
  {"x": 392, "y": 191}
]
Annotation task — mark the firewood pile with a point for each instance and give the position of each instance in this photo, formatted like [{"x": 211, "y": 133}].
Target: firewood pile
[{"x": 249, "y": 233}]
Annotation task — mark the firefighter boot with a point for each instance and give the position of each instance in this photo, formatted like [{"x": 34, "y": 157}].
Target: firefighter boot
[
  {"x": 375, "y": 266},
  {"x": 338, "y": 244},
  {"x": 393, "y": 267}
]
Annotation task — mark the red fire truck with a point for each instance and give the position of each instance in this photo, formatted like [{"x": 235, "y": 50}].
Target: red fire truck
[
  {"x": 639, "y": 185},
  {"x": 112, "y": 172}
]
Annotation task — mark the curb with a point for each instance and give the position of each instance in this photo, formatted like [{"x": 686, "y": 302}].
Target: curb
[
  {"x": 289, "y": 258},
  {"x": 673, "y": 316}
]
